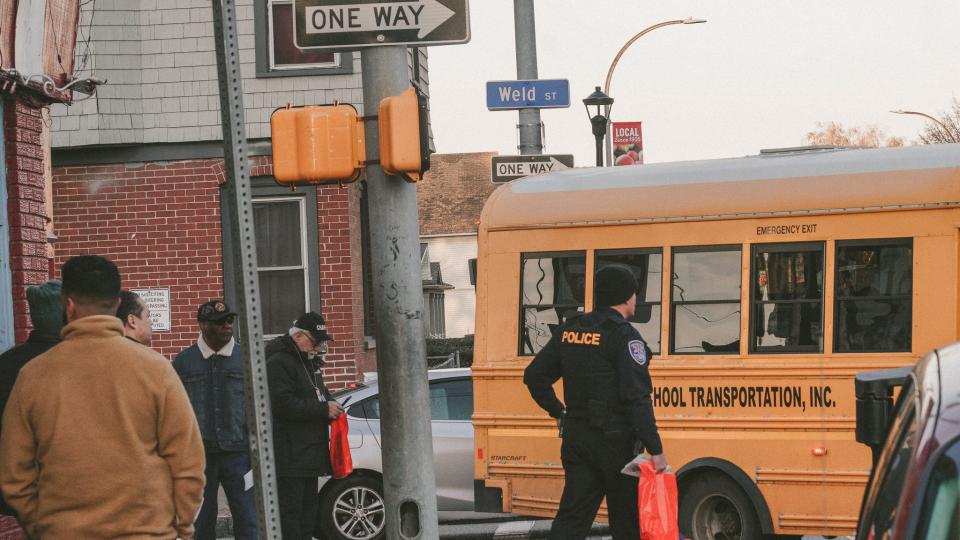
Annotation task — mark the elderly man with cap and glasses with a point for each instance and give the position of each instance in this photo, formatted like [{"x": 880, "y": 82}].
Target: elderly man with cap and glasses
[
  {"x": 212, "y": 372},
  {"x": 302, "y": 410},
  {"x": 608, "y": 413}
]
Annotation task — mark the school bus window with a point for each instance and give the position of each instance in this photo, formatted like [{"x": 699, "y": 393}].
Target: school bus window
[
  {"x": 647, "y": 266},
  {"x": 787, "y": 314},
  {"x": 705, "y": 302},
  {"x": 551, "y": 291},
  {"x": 874, "y": 296}
]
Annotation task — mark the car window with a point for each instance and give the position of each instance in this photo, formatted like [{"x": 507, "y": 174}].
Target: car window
[
  {"x": 451, "y": 400},
  {"x": 885, "y": 490},
  {"x": 940, "y": 518},
  {"x": 368, "y": 408}
]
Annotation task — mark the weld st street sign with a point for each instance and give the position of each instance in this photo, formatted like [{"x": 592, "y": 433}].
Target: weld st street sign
[
  {"x": 507, "y": 168},
  {"x": 349, "y": 24},
  {"x": 532, "y": 94}
]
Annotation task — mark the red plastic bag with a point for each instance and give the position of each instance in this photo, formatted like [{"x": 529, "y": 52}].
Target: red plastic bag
[
  {"x": 340, "y": 458},
  {"x": 658, "y": 504}
]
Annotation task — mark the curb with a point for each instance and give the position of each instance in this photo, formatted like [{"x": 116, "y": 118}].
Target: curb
[
  {"x": 469, "y": 529},
  {"x": 509, "y": 530}
]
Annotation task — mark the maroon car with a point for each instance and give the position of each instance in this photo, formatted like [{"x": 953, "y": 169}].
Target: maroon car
[{"x": 913, "y": 491}]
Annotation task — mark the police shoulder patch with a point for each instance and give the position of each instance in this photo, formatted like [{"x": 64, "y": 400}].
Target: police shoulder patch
[{"x": 637, "y": 351}]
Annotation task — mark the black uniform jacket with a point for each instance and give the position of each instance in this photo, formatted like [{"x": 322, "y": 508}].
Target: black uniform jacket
[
  {"x": 10, "y": 364},
  {"x": 604, "y": 365},
  {"x": 300, "y": 419}
]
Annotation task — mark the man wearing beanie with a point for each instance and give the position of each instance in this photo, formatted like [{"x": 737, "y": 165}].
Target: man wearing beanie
[
  {"x": 99, "y": 440},
  {"x": 46, "y": 314},
  {"x": 608, "y": 413}
]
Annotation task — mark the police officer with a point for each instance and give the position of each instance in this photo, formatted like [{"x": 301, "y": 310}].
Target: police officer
[{"x": 608, "y": 414}]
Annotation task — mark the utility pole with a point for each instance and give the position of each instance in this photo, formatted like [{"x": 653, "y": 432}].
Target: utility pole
[
  {"x": 242, "y": 276},
  {"x": 525, "y": 30},
  {"x": 408, "y": 477}
]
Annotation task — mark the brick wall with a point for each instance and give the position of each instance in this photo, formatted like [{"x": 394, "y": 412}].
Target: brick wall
[
  {"x": 27, "y": 214},
  {"x": 160, "y": 222},
  {"x": 453, "y": 192}
]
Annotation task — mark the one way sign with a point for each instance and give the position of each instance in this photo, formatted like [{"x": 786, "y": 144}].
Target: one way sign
[
  {"x": 507, "y": 168},
  {"x": 349, "y": 24}
]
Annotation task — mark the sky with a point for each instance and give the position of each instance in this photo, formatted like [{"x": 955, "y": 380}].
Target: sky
[{"x": 759, "y": 74}]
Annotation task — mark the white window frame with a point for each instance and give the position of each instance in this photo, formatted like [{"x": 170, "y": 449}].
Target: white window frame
[
  {"x": 304, "y": 258},
  {"x": 290, "y": 67}
]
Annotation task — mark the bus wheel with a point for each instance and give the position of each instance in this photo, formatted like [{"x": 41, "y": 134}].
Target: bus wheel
[{"x": 713, "y": 507}]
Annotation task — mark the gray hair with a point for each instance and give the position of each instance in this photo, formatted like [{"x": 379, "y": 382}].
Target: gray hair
[{"x": 294, "y": 331}]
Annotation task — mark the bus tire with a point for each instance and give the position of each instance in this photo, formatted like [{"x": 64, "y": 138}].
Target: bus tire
[{"x": 714, "y": 507}]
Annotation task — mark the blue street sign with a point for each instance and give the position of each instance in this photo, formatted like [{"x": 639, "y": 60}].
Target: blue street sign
[{"x": 537, "y": 94}]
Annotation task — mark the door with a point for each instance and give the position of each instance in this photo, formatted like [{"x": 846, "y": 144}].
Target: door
[{"x": 451, "y": 406}]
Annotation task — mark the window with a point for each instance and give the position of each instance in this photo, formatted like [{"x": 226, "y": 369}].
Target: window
[
  {"x": 281, "y": 264},
  {"x": 787, "y": 293},
  {"x": 551, "y": 291},
  {"x": 436, "y": 328},
  {"x": 451, "y": 400},
  {"x": 368, "y": 408},
  {"x": 647, "y": 266},
  {"x": 940, "y": 518},
  {"x": 287, "y": 240},
  {"x": 705, "y": 302},
  {"x": 277, "y": 55},
  {"x": 874, "y": 292}
]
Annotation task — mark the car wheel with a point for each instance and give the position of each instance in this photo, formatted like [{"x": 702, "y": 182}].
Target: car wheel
[
  {"x": 714, "y": 507},
  {"x": 352, "y": 509}
]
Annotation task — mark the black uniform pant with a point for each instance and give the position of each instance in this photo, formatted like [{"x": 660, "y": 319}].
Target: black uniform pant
[
  {"x": 298, "y": 506},
  {"x": 592, "y": 462}
]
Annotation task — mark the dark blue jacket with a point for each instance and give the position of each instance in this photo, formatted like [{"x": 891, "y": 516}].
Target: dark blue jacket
[
  {"x": 604, "y": 365},
  {"x": 215, "y": 387}
]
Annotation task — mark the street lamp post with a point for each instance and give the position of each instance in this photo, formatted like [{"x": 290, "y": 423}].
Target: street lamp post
[
  {"x": 613, "y": 65},
  {"x": 946, "y": 131},
  {"x": 600, "y": 120}
]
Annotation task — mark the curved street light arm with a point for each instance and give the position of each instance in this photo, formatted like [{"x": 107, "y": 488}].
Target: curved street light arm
[
  {"x": 932, "y": 119},
  {"x": 613, "y": 65}
]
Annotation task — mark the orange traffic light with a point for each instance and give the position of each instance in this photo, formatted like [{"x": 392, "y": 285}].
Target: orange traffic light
[
  {"x": 317, "y": 144},
  {"x": 404, "y": 138}
]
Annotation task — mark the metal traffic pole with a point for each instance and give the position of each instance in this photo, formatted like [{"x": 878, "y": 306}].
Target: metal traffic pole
[
  {"x": 525, "y": 31},
  {"x": 408, "y": 477},
  {"x": 242, "y": 274}
]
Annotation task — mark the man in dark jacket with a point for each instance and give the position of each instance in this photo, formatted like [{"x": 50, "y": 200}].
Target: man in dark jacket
[
  {"x": 608, "y": 414},
  {"x": 302, "y": 410},
  {"x": 47, "y": 315},
  {"x": 212, "y": 372}
]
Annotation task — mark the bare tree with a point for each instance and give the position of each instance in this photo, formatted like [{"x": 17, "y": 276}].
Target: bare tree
[
  {"x": 949, "y": 132},
  {"x": 833, "y": 133}
]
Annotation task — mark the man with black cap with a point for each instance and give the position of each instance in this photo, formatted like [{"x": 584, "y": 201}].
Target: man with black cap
[
  {"x": 302, "y": 410},
  {"x": 608, "y": 413},
  {"x": 212, "y": 372}
]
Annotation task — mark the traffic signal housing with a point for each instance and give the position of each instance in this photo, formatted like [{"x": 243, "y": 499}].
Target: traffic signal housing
[
  {"x": 317, "y": 144},
  {"x": 404, "y": 136}
]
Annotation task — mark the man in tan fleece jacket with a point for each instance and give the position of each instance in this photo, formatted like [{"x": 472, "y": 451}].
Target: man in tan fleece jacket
[{"x": 99, "y": 440}]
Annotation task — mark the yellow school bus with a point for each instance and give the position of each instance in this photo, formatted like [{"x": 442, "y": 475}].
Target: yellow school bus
[{"x": 766, "y": 283}]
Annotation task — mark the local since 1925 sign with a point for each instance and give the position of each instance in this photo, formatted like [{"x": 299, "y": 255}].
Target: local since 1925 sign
[{"x": 627, "y": 143}]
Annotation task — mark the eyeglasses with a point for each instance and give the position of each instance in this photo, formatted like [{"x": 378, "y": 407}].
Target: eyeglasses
[
  {"x": 319, "y": 346},
  {"x": 226, "y": 320}
]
